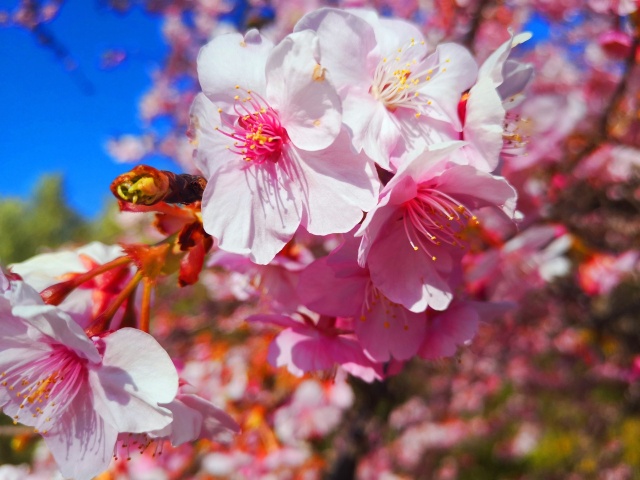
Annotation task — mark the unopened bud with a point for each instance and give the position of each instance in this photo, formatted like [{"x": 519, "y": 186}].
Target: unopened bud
[
  {"x": 143, "y": 185},
  {"x": 55, "y": 294}
]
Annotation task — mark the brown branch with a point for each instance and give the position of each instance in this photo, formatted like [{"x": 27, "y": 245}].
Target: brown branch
[
  {"x": 621, "y": 88},
  {"x": 476, "y": 21}
]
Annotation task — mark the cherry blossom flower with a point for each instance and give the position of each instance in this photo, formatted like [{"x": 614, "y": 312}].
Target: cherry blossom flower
[
  {"x": 336, "y": 285},
  {"x": 393, "y": 91},
  {"x": 320, "y": 345},
  {"x": 79, "y": 393},
  {"x": 498, "y": 89},
  {"x": 270, "y": 141},
  {"x": 412, "y": 241}
]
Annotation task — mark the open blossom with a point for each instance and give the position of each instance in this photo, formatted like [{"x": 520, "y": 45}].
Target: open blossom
[
  {"x": 79, "y": 393},
  {"x": 394, "y": 90},
  {"x": 318, "y": 344},
  {"x": 482, "y": 110},
  {"x": 336, "y": 285},
  {"x": 412, "y": 241},
  {"x": 271, "y": 143}
]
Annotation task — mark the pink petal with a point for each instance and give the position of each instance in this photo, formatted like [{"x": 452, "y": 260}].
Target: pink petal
[
  {"x": 56, "y": 324},
  {"x": 232, "y": 58},
  {"x": 344, "y": 58},
  {"x": 477, "y": 189},
  {"x": 338, "y": 185},
  {"x": 81, "y": 442},
  {"x": 251, "y": 211},
  {"x": 389, "y": 330},
  {"x": 483, "y": 125},
  {"x": 216, "y": 424},
  {"x": 298, "y": 88},
  {"x": 409, "y": 277},
  {"x": 136, "y": 375},
  {"x": 449, "y": 329}
]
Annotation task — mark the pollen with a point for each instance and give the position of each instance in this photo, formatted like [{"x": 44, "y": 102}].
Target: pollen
[
  {"x": 432, "y": 210},
  {"x": 318, "y": 73},
  {"x": 257, "y": 134}
]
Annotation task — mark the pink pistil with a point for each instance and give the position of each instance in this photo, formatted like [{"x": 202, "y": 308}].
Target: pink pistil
[{"x": 257, "y": 133}]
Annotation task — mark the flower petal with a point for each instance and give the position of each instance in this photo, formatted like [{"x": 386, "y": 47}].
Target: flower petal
[
  {"x": 251, "y": 210},
  {"x": 81, "y": 442},
  {"x": 337, "y": 186},
  {"x": 230, "y": 57},
  {"x": 298, "y": 88},
  {"x": 136, "y": 375}
]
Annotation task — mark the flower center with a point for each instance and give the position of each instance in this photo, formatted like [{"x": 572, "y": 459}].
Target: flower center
[
  {"x": 433, "y": 217},
  {"x": 44, "y": 386},
  {"x": 376, "y": 305},
  {"x": 399, "y": 81},
  {"x": 257, "y": 132}
]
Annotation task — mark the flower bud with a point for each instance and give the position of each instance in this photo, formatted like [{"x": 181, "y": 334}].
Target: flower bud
[
  {"x": 55, "y": 294},
  {"x": 143, "y": 185}
]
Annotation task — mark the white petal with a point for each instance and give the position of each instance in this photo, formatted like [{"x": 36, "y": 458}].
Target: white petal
[
  {"x": 299, "y": 89},
  {"x": 136, "y": 375},
  {"x": 232, "y": 59}
]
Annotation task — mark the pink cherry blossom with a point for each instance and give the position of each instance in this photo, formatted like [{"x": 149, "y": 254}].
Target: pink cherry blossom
[
  {"x": 317, "y": 345},
  {"x": 394, "y": 92},
  {"x": 270, "y": 141},
  {"x": 413, "y": 239},
  {"x": 78, "y": 393},
  {"x": 336, "y": 285},
  {"x": 498, "y": 88}
]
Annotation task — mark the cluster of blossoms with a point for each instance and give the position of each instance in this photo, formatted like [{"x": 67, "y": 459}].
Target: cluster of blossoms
[
  {"x": 352, "y": 187},
  {"x": 354, "y": 116}
]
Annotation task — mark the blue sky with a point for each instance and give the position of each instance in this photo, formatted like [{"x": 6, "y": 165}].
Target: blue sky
[{"x": 51, "y": 122}]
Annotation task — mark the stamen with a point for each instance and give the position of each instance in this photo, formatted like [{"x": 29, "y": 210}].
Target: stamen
[
  {"x": 433, "y": 216},
  {"x": 257, "y": 132},
  {"x": 399, "y": 83}
]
